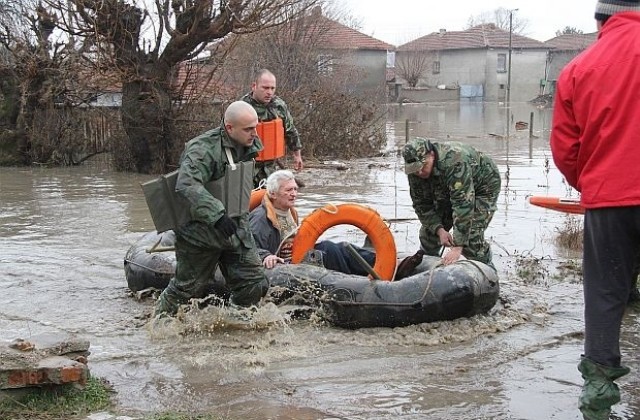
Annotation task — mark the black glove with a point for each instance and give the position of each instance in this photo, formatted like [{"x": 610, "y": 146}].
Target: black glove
[{"x": 226, "y": 225}]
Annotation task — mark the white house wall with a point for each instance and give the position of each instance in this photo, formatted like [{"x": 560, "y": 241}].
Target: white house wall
[
  {"x": 371, "y": 66},
  {"x": 479, "y": 67},
  {"x": 527, "y": 71},
  {"x": 459, "y": 67}
]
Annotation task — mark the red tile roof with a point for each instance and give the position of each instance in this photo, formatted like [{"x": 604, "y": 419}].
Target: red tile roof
[
  {"x": 481, "y": 36},
  {"x": 323, "y": 32},
  {"x": 572, "y": 42},
  {"x": 337, "y": 36}
]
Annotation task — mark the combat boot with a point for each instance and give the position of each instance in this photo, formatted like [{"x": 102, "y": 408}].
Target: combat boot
[{"x": 599, "y": 392}]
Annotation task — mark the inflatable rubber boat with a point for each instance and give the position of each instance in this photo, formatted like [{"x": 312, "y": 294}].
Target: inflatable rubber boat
[
  {"x": 432, "y": 292},
  {"x": 151, "y": 261}
]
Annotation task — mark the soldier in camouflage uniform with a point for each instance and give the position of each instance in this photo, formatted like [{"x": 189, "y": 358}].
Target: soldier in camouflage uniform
[
  {"x": 212, "y": 237},
  {"x": 269, "y": 107},
  {"x": 452, "y": 185}
]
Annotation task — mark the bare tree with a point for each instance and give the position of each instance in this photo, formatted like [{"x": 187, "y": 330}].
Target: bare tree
[
  {"x": 33, "y": 70},
  {"x": 412, "y": 65},
  {"x": 569, "y": 30},
  {"x": 144, "y": 44},
  {"x": 500, "y": 18}
]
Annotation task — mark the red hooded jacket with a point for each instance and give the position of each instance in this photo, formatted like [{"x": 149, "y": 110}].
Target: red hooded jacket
[{"x": 595, "y": 137}]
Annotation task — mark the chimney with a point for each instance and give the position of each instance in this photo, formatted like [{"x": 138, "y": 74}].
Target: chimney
[
  {"x": 316, "y": 11},
  {"x": 442, "y": 31}
]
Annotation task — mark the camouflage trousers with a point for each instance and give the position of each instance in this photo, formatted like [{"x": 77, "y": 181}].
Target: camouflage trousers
[
  {"x": 478, "y": 248},
  {"x": 198, "y": 253}
]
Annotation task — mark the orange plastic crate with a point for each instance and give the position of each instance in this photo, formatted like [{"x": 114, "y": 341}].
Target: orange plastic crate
[{"x": 272, "y": 135}]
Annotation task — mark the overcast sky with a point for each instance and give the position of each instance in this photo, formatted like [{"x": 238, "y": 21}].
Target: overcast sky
[{"x": 399, "y": 21}]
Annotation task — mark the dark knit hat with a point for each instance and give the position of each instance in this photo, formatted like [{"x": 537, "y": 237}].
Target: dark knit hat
[{"x": 607, "y": 8}]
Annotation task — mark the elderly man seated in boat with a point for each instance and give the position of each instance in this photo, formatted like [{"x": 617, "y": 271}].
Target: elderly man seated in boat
[{"x": 275, "y": 222}]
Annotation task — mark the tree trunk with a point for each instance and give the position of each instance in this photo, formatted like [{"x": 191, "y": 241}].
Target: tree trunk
[
  {"x": 147, "y": 119},
  {"x": 10, "y": 103}
]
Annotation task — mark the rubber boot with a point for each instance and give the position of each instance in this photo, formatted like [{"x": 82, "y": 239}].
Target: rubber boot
[
  {"x": 409, "y": 264},
  {"x": 599, "y": 392},
  {"x": 634, "y": 296}
]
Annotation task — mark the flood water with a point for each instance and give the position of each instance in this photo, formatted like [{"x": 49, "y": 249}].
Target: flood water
[{"x": 64, "y": 233}]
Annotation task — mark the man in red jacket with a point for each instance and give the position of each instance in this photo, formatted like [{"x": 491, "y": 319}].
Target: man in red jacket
[{"x": 595, "y": 141}]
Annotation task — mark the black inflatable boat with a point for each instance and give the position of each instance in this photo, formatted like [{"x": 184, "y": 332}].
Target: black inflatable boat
[{"x": 433, "y": 292}]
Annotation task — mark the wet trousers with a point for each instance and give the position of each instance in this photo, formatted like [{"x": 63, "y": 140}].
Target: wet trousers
[
  {"x": 611, "y": 247},
  {"x": 198, "y": 253}
]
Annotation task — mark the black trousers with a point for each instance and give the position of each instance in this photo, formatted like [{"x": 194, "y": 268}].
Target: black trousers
[
  {"x": 611, "y": 249},
  {"x": 337, "y": 257}
]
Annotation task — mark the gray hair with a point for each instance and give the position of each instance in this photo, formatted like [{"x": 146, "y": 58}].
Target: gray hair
[{"x": 276, "y": 179}]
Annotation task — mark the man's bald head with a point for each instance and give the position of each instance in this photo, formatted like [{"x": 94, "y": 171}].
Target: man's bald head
[
  {"x": 237, "y": 110},
  {"x": 240, "y": 122}
]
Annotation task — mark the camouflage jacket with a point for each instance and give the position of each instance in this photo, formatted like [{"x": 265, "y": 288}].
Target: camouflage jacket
[
  {"x": 460, "y": 174},
  {"x": 277, "y": 108},
  {"x": 204, "y": 160}
]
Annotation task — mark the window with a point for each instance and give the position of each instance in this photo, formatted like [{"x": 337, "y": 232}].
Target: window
[
  {"x": 501, "y": 66},
  {"x": 436, "y": 67},
  {"x": 325, "y": 64},
  {"x": 391, "y": 59}
]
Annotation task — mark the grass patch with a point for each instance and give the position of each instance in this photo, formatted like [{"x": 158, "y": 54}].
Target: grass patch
[
  {"x": 570, "y": 234},
  {"x": 60, "y": 402}
]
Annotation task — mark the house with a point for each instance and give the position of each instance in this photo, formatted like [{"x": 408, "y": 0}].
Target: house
[
  {"x": 476, "y": 62},
  {"x": 348, "y": 47},
  {"x": 563, "y": 49}
]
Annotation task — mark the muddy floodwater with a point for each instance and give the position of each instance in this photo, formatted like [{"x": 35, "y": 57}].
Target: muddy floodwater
[{"x": 64, "y": 233}]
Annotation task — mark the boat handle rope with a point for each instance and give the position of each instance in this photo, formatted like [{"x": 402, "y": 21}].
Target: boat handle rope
[
  {"x": 330, "y": 208},
  {"x": 147, "y": 267},
  {"x": 262, "y": 184},
  {"x": 417, "y": 303}
]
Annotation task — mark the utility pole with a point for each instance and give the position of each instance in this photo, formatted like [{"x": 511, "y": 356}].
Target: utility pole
[{"x": 509, "y": 73}]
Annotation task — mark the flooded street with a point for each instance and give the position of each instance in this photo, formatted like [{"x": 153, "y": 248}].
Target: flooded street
[{"x": 64, "y": 233}]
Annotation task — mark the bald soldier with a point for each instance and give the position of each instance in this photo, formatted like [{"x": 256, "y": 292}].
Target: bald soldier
[{"x": 214, "y": 235}]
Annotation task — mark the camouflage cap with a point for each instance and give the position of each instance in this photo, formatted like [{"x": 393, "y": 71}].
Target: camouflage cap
[{"x": 415, "y": 153}]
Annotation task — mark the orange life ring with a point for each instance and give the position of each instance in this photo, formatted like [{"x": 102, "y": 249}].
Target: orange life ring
[
  {"x": 256, "y": 198},
  {"x": 357, "y": 215}
]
